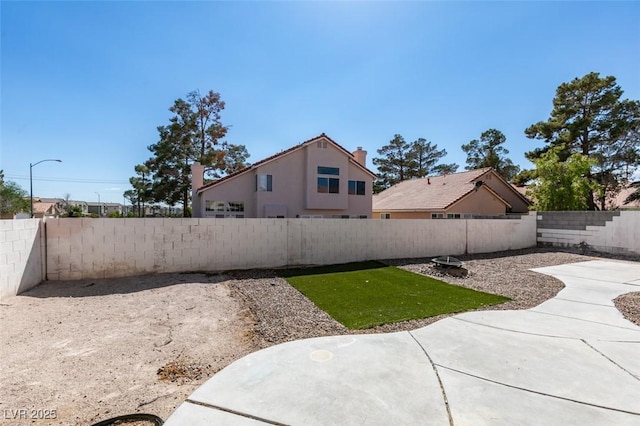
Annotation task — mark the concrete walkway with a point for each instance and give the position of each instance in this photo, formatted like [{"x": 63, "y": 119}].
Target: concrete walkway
[{"x": 571, "y": 360}]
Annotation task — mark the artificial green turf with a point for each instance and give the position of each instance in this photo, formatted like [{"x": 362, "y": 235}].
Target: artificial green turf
[{"x": 366, "y": 294}]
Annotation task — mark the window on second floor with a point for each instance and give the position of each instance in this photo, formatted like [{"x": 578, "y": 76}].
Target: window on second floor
[
  {"x": 264, "y": 183},
  {"x": 328, "y": 185},
  {"x": 356, "y": 187},
  {"x": 322, "y": 170},
  {"x": 385, "y": 215},
  {"x": 437, "y": 215}
]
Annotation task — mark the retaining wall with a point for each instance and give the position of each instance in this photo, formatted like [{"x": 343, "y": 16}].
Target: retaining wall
[
  {"x": 102, "y": 248},
  {"x": 609, "y": 232},
  {"x": 21, "y": 266}
]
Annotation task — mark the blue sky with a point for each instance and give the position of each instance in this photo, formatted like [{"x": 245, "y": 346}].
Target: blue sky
[{"x": 89, "y": 82}]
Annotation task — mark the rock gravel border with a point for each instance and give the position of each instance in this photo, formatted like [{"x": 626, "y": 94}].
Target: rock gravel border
[{"x": 283, "y": 314}]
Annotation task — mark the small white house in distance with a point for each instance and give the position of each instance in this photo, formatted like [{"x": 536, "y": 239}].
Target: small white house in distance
[{"x": 315, "y": 179}]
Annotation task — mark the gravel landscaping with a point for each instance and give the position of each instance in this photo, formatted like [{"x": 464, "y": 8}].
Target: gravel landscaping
[
  {"x": 95, "y": 349},
  {"x": 283, "y": 314}
]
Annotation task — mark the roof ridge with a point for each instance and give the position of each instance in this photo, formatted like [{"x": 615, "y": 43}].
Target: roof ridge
[{"x": 279, "y": 154}]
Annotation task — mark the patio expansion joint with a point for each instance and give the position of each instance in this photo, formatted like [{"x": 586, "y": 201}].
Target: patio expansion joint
[
  {"x": 585, "y": 320},
  {"x": 538, "y": 392},
  {"x": 237, "y": 413},
  {"x": 610, "y": 360},
  {"x": 590, "y": 278},
  {"x": 435, "y": 370},
  {"x": 514, "y": 331},
  {"x": 583, "y": 302}
]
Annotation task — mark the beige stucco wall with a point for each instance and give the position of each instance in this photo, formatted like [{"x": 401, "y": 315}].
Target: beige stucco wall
[
  {"x": 238, "y": 188},
  {"x": 102, "y": 248},
  {"x": 288, "y": 184},
  {"x": 294, "y": 178},
  {"x": 329, "y": 157},
  {"x": 360, "y": 204},
  {"x": 504, "y": 190},
  {"x": 480, "y": 202}
]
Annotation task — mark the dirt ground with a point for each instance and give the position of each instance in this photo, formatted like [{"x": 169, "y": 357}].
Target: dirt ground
[{"x": 75, "y": 353}]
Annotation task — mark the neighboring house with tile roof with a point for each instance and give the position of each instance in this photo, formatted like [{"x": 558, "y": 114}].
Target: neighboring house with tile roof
[
  {"x": 480, "y": 192},
  {"x": 317, "y": 178},
  {"x": 41, "y": 210}
]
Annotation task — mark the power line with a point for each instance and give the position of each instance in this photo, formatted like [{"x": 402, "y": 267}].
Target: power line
[{"x": 69, "y": 180}]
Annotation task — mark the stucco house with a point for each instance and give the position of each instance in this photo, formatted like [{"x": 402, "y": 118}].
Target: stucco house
[
  {"x": 50, "y": 210},
  {"x": 480, "y": 192},
  {"x": 317, "y": 178}
]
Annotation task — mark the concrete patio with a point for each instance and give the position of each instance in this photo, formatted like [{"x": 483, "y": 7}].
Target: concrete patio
[{"x": 571, "y": 360}]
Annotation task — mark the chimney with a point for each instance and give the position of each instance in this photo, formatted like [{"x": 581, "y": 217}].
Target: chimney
[
  {"x": 360, "y": 156},
  {"x": 197, "y": 176}
]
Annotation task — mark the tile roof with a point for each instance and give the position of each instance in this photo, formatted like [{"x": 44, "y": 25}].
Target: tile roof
[
  {"x": 432, "y": 193},
  {"x": 43, "y": 207},
  {"x": 281, "y": 154}
]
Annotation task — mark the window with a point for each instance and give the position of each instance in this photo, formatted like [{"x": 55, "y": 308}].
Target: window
[
  {"x": 214, "y": 206},
  {"x": 236, "y": 206},
  {"x": 334, "y": 186},
  {"x": 222, "y": 209},
  {"x": 340, "y": 216},
  {"x": 328, "y": 185},
  {"x": 264, "y": 183},
  {"x": 356, "y": 187},
  {"x": 437, "y": 215},
  {"x": 322, "y": 145},
  {"x": 385, "y": 215},
  {"x": 453, "y": 215},
  {"x": 328, "y": 171}
]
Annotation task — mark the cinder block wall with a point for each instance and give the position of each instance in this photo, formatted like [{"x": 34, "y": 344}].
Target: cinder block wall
[
  {"x": 21, "y": 266},
  {"x": 609, "y": 232},
  {"x": 102, "y": 248}
]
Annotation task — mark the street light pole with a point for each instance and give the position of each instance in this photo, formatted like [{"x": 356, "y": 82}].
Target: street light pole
[
  {"x": 31, "y": 166},
  {"x": 99, "y": 206}
]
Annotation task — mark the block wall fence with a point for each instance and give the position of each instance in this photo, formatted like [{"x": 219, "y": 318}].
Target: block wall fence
[
  {"x": 66, "y": 249},
  {"x": 103, "y": 248},
  {"x": 21, "y": 256},
  {"x": 610, "y": 232}
]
